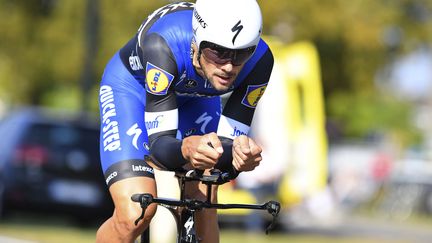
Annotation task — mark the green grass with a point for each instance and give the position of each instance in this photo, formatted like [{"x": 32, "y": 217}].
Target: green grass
[
  {"x": 48, "y": 229},
  {"x": 52, "y": 230},
  {"x": 54, "y": 234},
  {"x": 47, "y": 234},
  {"x": 59, "y": 232}
]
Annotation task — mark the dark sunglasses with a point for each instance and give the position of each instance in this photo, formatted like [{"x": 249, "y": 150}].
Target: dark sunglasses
[{"x": 222, "y": 55}]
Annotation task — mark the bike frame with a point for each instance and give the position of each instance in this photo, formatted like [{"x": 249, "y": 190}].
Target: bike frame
[{"x": 185, "y": 220}]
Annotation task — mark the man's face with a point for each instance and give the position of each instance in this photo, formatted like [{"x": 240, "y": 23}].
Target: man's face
[
  {"x": 220, "y": 65},
  {"x": 221, "y": 76}
]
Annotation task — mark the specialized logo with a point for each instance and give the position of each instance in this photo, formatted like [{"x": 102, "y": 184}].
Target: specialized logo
[
  {"x": 253, "y": 95},
  {"x": 189, "y": 224},
  {"x": 236, "y": 29},
  {"x": 199, "y": 19},
  {"x": 135, "y": 132},
  {"x": 157, "y": 80},
  {"x": 189, "y": 132},
  {"x": 205, "y": 120},
  {"x": 110, "y": 130},
  {"x": 191, "y": 84}
]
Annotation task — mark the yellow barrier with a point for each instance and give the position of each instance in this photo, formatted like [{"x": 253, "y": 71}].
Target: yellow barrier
[
  {"x": 305, "y": 121},
  {"x": 297, "y": 73}
]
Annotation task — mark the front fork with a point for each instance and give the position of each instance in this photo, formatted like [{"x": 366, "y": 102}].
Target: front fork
[{"x": 185, "y": 221}]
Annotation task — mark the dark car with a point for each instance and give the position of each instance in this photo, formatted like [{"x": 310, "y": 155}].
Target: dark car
[{"x": 49, "y": 162}]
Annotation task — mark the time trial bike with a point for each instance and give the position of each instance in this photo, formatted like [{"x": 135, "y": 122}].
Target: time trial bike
[{"x": 183, "y": 209}]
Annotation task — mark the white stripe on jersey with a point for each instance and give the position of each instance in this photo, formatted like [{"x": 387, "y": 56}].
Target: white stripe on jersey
[
  {"x": 230, "y": 128},
  {"x": 161, "y": 121}
]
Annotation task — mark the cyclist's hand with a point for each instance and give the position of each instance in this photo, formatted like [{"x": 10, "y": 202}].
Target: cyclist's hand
[
  {"x": 246, "y": 153},
  {"x": 202, "y": 152}
]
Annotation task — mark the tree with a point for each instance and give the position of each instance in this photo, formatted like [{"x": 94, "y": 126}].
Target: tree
[{"x": 42, "y": 42}]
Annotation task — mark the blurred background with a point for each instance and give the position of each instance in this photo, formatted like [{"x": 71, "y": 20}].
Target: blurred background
[{"x": 347, "y": 151}]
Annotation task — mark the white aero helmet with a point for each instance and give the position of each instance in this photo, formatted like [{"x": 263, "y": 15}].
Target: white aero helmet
[{"x": 233, "y": 24}]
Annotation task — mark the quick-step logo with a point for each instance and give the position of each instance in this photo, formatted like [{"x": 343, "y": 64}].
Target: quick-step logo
[{"x": 110, "y": 130}]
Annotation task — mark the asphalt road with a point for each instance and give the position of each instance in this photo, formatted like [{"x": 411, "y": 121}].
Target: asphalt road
[{"x": 374, "y": 229}]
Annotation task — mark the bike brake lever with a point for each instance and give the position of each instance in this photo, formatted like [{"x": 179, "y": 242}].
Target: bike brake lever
[
  {"x": 140, "y": 217},
  {"x": 145, "y": 200},
  {"x": 273, "y": 208}
]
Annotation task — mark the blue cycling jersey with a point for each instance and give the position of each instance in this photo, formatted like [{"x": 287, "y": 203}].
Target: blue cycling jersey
[{"x": 151, "y": 96}]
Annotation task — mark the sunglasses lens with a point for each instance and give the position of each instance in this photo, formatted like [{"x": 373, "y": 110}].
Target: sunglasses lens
[
  {"x": 242, "y": 55},
  {"x": 216, "y": 56},
  {"x": 222, "y": 55}
]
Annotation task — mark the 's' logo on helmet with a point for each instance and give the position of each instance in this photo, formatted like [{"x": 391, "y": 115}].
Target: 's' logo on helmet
[{"x": 236, "y": 29}]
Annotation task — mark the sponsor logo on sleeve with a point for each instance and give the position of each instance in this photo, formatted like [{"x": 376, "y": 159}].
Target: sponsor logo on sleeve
[
  {"x": 161, "y": 121},
  {"x": 110, "y": 177},
  {"x": 231, "y": 128},
  {"x": 237, "y": 132},
  {"x": 154, "y": 123},
  {"x": 157, "y": 80},
  {"x": 253, "y": 95},
  {"x": 110, "y": 125},
  {"x": 134, "y": 62},
  {"x": 142, "y": 168}
]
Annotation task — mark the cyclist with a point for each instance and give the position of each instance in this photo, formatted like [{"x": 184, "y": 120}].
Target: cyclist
[{"x": 160, "y": 97}]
